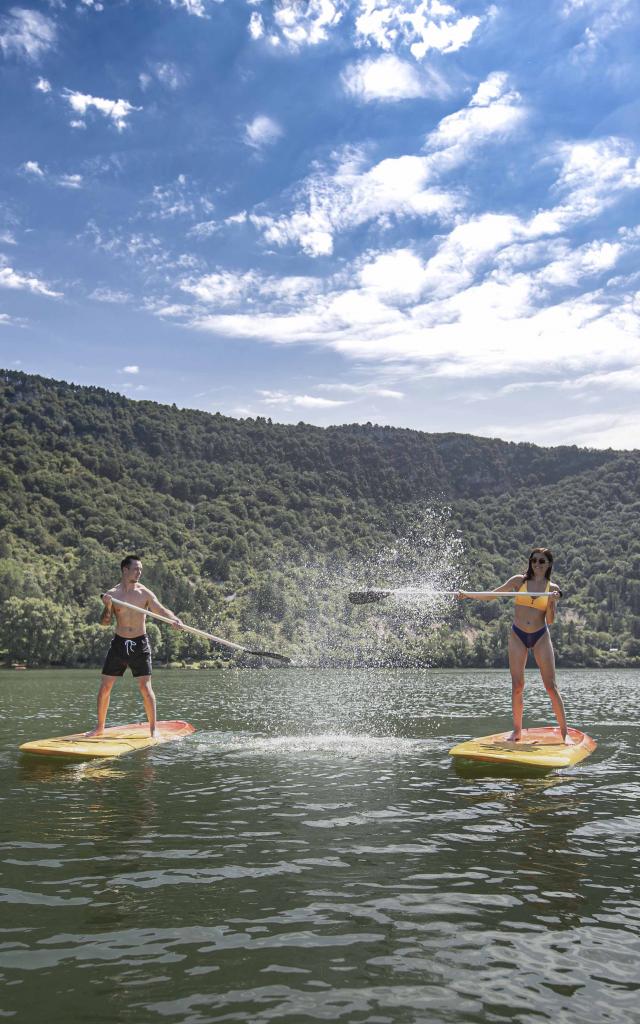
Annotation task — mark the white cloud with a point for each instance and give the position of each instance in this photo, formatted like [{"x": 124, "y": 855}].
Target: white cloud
[
  {"x": 43, "y": 85},
  {"x": 33, "y": 167},
  {"x": 256, "y": 26},
  {"x": 220, "y": 289},
  {"x": 70, "y": 180},
  {"x": 594, "y": 175},
  {"x": 592, "y": 430},
  {"x": 180, "y": 198},
  {"x": 494, "y": 111},
  {"x": 299, "y": 401},
  {"x": 422, "y": 25},
  {"x": 110, "y": 295},
  {"x": 130, "y": 369},
  {"x": 398, "y": 187},
  {"x": 26, "y": 33},
  {"x": 10, "y": 278},
  {"x": 116, "y": 110},
  {"x": 195, "y": 7},
  {"x": 262, "y": 131},
  {"x": 363, "y": 390},
  {"x": 389, "y": 79},
  {"x": 305, "y": 24},
  {"x": 165, "y": 72}
]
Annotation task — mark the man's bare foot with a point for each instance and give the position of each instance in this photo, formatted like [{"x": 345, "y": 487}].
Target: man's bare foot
[
  {"x": 568, "y": 742},
  {"x": 95, "y": 732},
  {"x": 514, "y": 736}
]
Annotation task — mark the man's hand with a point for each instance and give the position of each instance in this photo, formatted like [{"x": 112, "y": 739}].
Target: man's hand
[
  {"x": 106, "y": 598},
  {"x": 177, "y": 623}
]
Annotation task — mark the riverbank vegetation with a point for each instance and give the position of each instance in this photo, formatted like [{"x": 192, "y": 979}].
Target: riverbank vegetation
[{"x": 256, "y": 531}]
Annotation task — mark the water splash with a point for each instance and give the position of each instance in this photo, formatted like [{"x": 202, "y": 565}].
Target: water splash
[{"x": 427, "y": 556}]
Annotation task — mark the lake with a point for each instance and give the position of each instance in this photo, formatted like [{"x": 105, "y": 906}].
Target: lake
[{"x": 312, "y": 854}]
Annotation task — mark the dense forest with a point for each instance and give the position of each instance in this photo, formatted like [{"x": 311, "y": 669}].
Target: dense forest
[{"x": 256, "y": 531}]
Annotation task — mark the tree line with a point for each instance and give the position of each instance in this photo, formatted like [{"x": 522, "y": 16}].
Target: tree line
[{"x": 256, "y": 531}]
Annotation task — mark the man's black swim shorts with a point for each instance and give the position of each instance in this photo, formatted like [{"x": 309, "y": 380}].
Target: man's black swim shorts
[{"x": 128, "y": 652}]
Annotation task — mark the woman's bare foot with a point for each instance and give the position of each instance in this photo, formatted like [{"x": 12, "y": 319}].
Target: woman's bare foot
[
  {"x": 95, "y": 732},
  {"x": 514, "y": 736},
  {"x": 568, "y": 742}
]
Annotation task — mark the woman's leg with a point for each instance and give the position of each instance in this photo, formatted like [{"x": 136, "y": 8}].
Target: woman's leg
[
  {"x": 546, "y": 662},
  {"x": 517, "y": 661}
]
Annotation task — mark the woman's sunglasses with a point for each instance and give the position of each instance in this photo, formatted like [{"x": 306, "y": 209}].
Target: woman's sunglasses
[{"x": 539, "y": 561}]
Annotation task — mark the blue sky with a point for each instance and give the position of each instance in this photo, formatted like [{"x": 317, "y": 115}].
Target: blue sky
[{"x": 417, "y": 213}]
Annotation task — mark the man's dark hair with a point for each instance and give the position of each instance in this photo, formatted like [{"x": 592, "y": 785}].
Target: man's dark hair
[{"x": 126, "y": 562}]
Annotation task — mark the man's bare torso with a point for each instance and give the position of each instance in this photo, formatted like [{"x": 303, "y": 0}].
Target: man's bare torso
[{"x": 128, "y": 622}]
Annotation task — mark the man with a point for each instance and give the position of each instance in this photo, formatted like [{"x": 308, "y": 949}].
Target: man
[{"x": 130, "y": 647}]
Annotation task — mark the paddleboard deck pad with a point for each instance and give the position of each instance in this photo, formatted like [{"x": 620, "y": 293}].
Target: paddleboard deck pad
[
  {"x": 116, "y": 740},
  {"x": 538, "y": 748}
]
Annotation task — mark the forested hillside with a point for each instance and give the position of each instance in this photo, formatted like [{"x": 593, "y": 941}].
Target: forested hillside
[{"x": 257, "y": 530}]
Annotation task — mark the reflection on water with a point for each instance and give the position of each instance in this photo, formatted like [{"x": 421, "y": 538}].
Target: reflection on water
[{"x": 312, "y": 853}]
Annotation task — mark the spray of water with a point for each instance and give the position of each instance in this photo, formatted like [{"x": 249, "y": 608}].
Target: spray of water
[{"x": 425, "y": 557}]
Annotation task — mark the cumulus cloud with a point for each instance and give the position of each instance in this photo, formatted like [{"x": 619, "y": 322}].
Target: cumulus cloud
[
  {"x": 43, "y": 85},
  {"x": 422, "y": 25},
  {"x": 26, "y": 33},
  {"x": 197, "y": 8},
  {"x": 256, "y": 26},
  {"x": 418, "y": 25},
  {"x": 13, "y": 279},
  {"x": 405, "y": 186},
  {"x": 389, "y": 79},
  {"x": 262, "y": 131},
  {"x": 110, "y": 295},
  {"x": 297, "y": 25},
  {"x": 33, "y": 167},
  {"x": 299, "y": 401},
  {"x": 115, "y": 110},
  {"x": 165, "y": 72}
]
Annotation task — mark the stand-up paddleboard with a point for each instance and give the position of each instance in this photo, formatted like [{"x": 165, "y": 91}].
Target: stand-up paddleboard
[
  {"x": 538, "y": 748},
  {"x": 117, "y": 740}
]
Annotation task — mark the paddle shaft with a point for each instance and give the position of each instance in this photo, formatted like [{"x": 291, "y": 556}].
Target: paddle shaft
[
  {"x": 199, "y": 632},
  {"x": 372, "y": 596}
]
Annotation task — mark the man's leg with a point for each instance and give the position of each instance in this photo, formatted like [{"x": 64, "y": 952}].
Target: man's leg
[
  {"x": 104, "y": 695},
  {"x": 149, "y": 698}
]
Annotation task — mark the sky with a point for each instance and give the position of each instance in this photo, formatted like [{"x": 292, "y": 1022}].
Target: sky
[{"x": 416, "y": 213}]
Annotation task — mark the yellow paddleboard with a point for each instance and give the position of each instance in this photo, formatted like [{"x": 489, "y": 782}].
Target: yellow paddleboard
[
  {"x": 117, "y": 740},
  {"x": 538, "y": 748}
]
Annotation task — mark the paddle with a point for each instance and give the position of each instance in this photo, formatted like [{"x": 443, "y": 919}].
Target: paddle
[
  {"x": 207, "y": 636},
  {"x": 371, "y": 596}
]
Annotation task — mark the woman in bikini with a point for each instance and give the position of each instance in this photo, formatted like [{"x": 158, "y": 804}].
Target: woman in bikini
[{"x": 530, "y": 632}]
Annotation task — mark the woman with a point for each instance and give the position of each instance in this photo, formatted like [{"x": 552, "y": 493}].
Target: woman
[{"x": 530, "y": 632}]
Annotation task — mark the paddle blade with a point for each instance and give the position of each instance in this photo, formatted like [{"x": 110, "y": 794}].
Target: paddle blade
[
  {"x": 368, "y": 596},
  {"x": 269, "y": 654}
]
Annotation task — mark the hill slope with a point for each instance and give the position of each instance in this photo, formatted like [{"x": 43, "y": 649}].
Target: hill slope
[{"x": 257, "y": 528}]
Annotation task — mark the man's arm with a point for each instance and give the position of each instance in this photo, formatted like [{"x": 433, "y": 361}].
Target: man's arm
[
  {"x": 154, "y": 605},
  {"x": 107, "y": 612}
]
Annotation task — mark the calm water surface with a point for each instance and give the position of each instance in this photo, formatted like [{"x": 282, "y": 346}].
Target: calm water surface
[{"x": 311, "y": 854}]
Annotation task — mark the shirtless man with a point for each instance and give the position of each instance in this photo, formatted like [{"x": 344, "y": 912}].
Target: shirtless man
[{"x": 130, "y": 647}]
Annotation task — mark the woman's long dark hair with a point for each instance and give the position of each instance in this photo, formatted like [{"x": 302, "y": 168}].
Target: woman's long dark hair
[{"x": 548, "y": 555}]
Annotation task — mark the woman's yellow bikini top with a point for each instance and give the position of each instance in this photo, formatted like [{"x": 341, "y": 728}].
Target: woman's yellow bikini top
[{"x": 533, "y": 602}]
